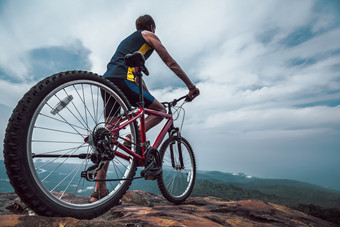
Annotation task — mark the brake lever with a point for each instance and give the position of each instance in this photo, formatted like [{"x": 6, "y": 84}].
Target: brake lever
[{"x": 174, "y": 103}]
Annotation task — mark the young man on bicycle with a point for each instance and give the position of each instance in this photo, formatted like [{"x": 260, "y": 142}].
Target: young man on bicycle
[{"x": 145, "y": 41}]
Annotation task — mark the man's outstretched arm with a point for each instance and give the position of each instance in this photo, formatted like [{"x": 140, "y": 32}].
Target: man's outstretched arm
[{"x": 156, "y": 44}]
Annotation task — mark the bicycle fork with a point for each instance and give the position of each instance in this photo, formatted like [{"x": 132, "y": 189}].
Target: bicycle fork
[{"x": 180, "y": 165}]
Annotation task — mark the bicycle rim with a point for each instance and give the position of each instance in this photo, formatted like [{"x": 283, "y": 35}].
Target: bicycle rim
[{"x": 59, "y": 127}]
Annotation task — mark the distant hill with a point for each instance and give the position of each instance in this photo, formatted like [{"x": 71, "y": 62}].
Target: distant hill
[
  {"x": 254, "y": 182},
  {"x": 286, "y": 192}
]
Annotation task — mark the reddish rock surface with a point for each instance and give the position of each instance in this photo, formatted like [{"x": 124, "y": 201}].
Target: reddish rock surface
[{"x": 140, "y": 208}]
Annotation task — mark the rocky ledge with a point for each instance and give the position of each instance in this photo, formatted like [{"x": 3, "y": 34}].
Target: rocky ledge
[{"x": 139, "y": 208}]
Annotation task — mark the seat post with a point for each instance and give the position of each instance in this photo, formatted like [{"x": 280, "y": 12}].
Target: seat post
[
  {"x": 140, "y": 85},
  {"x": 141, "y": 105}
]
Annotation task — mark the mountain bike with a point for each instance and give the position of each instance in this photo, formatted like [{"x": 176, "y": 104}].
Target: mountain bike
[{"x": 58, "y": 138}]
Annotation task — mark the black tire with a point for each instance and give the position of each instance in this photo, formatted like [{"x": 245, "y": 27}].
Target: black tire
[
  {"x": 175, "y": 182},
  {"x": 37, "y": 127}
]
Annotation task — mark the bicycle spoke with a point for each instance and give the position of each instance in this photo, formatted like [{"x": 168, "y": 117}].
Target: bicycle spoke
[
  {"x": 40, "y": 167},
  {"x": 56, "y": 167},
  {"x": 86, "y": 110},
  {"x": 93, "y": 105},
  {"x": 97, "y": 104},
  {"x": 57, "y": 151},
  {"x": 171, "y": 182},
  {"x": 51, "y": 141},
  {"x": 62, "y": 181},
  {"x": 113, "y": 107},
  {"x": 65, "y": 190},
  {"x": 56, "y": 130},
  {"x": 66, "y": 121},
  {"x": 110, "y": 182},
  {"x": 115, "y": 169},
  {"x": 81, "y": 116},
  {"x": 81, "y": 179},
  {"x": 119, "y": 162},
  {"x": 75, "y": 126}
]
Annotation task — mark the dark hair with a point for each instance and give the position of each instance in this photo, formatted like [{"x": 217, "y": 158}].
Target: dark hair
[{"x": 145, "y": 22}]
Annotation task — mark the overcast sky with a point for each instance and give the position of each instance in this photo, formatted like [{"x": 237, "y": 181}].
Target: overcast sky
[{"x": 268, "y": 71}]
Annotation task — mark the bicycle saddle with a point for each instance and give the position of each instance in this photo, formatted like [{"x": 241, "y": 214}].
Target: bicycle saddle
[{"x": 136, "y": 60}]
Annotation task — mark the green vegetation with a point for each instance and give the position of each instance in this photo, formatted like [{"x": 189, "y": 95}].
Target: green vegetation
[
  {"x": 331, "y": 215},
  {"x": 290, "y": 196},
  {"x": 312, "y": 200}
]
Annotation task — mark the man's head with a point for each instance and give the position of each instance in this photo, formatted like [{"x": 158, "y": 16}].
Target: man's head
[{"x": 145, "y": 23}]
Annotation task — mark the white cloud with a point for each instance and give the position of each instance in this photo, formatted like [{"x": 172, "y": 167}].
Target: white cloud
[
  {"x": 277, "y": 119},
  {"x": 11, "y": 93}
]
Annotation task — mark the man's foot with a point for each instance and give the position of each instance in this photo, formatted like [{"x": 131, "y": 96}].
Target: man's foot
[{"x": 98, "y": 195}]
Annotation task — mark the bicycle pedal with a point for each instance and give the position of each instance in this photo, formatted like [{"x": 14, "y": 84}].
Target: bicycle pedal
[{"x": 151, "y": 174}]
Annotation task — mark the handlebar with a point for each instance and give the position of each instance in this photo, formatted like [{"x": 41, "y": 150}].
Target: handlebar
[{"x": 175, "y": 101}]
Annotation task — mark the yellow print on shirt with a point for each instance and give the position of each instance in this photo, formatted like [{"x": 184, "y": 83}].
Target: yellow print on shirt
[{"x": 143, "y": 50}]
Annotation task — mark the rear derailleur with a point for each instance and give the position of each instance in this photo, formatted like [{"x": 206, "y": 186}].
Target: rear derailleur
[{"x": 100, "y": 140}]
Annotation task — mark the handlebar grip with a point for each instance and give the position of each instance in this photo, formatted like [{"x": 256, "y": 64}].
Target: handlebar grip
[{"x": 188, "y": 99}]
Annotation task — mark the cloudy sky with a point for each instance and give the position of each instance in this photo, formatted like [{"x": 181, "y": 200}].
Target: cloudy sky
[{"x": 268, "y": 71}]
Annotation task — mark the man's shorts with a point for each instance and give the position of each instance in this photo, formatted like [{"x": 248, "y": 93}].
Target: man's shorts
[{"x": 131, "y": 91}]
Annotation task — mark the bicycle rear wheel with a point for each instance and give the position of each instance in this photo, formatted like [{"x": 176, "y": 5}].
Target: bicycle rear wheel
[
  {"x": 50, "y": 140},
  {"x": 177, "y": 179}
]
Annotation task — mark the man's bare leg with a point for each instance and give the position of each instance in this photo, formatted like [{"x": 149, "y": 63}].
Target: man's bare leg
[
  {"x": 101, "y": 188},
  {"x": 152, "y": 120}
]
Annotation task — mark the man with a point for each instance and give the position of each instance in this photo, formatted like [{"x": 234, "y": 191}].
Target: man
[{"x": 145, "y": 41}]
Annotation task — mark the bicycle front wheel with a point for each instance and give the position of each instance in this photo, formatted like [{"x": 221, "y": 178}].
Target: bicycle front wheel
[
  {"x": 177, "y": 179},
  {"x": 51, "y": 139}
]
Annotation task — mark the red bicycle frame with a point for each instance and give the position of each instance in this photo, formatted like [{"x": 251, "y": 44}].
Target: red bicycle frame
[{"x": 141, "y": 114}]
